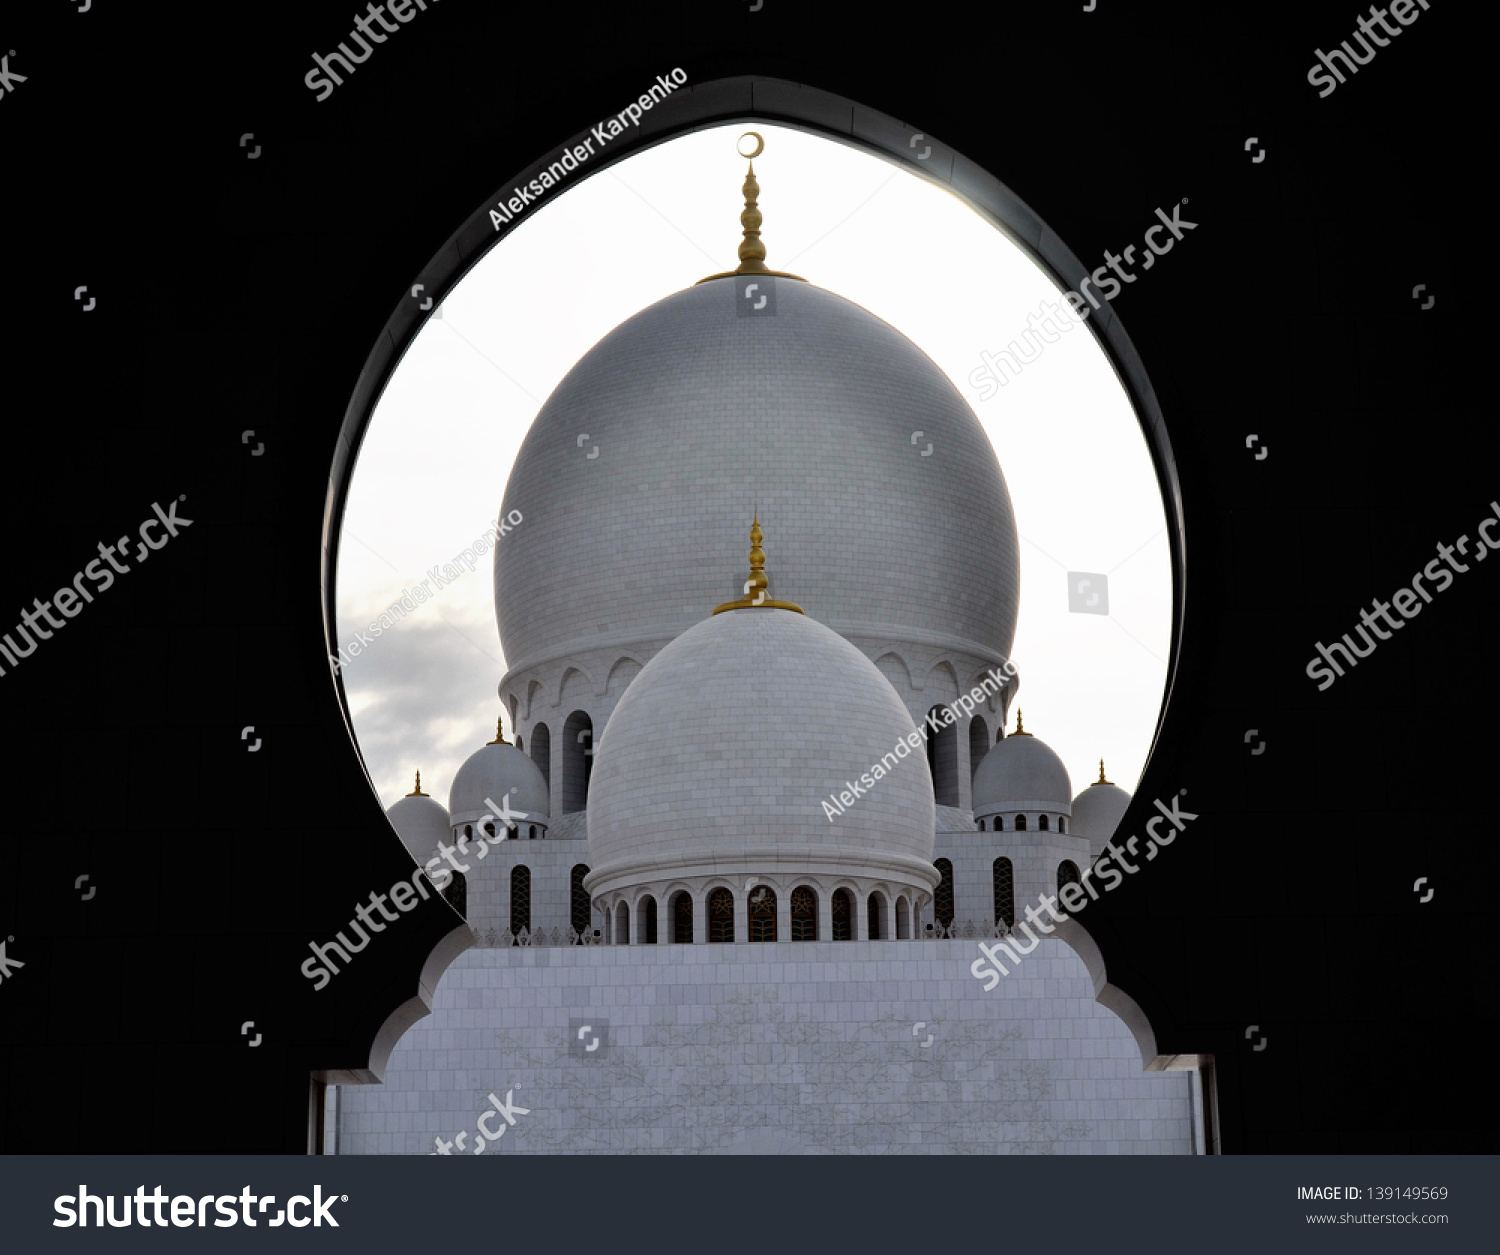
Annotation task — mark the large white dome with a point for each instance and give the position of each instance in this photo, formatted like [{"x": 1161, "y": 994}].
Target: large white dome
[
  {"x": 722, "y": 750},
  {"x": 890, "y": 514}
]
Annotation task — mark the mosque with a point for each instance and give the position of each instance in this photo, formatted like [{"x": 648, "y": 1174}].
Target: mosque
[{"x": 680, "y": 947}]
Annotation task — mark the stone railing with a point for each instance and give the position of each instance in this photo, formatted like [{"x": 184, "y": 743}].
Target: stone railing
[
  {"x": 495, "y": 938},
  {"x": 967, "y": 931}
]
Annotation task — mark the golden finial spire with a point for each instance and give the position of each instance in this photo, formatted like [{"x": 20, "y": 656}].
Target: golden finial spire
[
  {"x": 417, "y": 792},
  {"x": 1020, "y": 728},
  {"x": 1101, "y": 779},
  {"x": 752, "y": 252},
  {"x": 499, "y": 732},
  {"x": 757, "y": 586}
]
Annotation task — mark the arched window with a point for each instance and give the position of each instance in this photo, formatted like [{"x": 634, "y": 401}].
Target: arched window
[
  {"x": 804, "y": 914},
  {"x": 533, "y": 833},
  {"x": 581, "y": 909},
  {"x": 1042, "y": 823},
  {"x": 721, "y": 915},
  {"x": 1020, "y": 823},
  {"x": 874, "y": 910},
  {"x": 942, "y": 760},
  {"x": 541, "y": 752},
  {"x": 489, "y": 830},
  {"x": 578, "y": 761},
  {"x": 981, "y": 825},
  {"x": 682, "y": 919},
  {"x": 648, "y": 921},
  {"x": 1067, "y": 874},
  {"x": 1005, "y": 891},
  {"x": 762, "y": 911},
  {"x": 979, "y": 743},
  {"x": 843, "y": 915},
  {"x": 1062, "y": 823},
  {"x": 903, "y": 920},
  {"x": 468, "y": 832},
  {"x": 519, "y": 745},
  {"x": 622, "y": 925},
  {"x": 520, "y": 898},
  {"x": 999, "y": 824},
  {"x": 456, "y": 894},
  {"x": 942, "y": 902}
]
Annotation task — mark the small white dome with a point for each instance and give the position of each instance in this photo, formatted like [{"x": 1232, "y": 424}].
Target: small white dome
[
  {"x": 1022, "y": 773},
  {"x": 421, "y": 822},
  {"x": 493, "y": 772},
  {"x": 1097, "y": 811},
  {"x": 722, "y": 751}
]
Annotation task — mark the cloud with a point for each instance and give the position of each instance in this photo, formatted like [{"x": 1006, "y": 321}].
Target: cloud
[{"x": 423, "y": 696}]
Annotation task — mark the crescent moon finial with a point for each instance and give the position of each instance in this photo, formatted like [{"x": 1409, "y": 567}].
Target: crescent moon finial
[{"x": 760, "y": 144}]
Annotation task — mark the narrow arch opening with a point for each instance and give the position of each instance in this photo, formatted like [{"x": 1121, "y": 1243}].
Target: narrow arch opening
[
  {"x": 456, "y": 894},
  {"x": 1005, "y": 891},
  {"x": 942, "y": 761},
  {"x": 804, "y": 914},
  {"x": 520, "y": 898},
  {"x": 541, "y": 752},
  {"x": 580, "y": 906},
  {"x": 721, "y": 915},
  {"x": 979, "y": 743},
  {"x": 682, "y": 919},
  {"x": 578, "y": 761},
  {"x": 843, "y": 915},
  {"x": 762, "y": 913},
  {"x": 942, "y": 903}
]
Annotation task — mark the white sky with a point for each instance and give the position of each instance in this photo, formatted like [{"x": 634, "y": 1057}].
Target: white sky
[{"x": 432, "y": 470}]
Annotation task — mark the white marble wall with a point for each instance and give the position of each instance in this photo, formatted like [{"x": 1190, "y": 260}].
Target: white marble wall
[{"x": 809, "y": 1047}]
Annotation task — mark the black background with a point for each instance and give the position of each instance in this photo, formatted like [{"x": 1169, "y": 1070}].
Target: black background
[{"x": 237, "y": 294}]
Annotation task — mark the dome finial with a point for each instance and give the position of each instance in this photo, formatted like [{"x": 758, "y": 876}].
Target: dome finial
[
  {"x": 752, "y": 252},
  {"x": 757, "y": 586},
  {"x": 417, "y": 792},
  {"x": 1101, "y": 779},
  {"x": 1020, "y": 727},
  {"x": 499, "y": 732}
]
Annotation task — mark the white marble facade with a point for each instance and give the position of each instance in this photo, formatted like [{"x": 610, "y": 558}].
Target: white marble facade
[{"x": 787, "y": 1047}]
